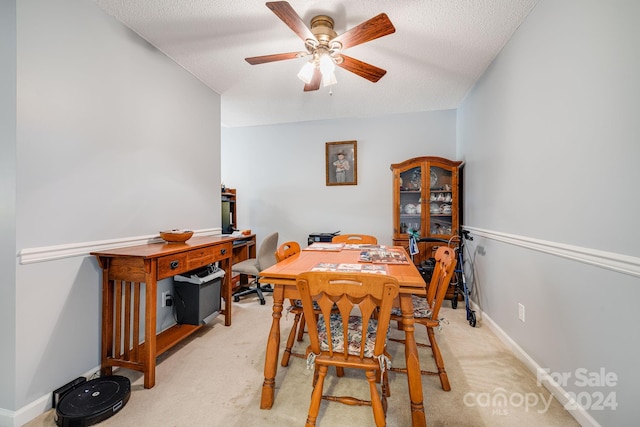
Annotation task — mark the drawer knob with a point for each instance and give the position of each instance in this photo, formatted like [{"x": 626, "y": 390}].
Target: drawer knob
[
  {"x": 174, "y": 264},
  {"x": 223, "y": 251}
]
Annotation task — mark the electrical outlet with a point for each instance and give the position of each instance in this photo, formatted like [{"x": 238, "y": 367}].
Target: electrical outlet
[
  {"x": 521, "y": 312},
  {"x": 163, "y": 298}
]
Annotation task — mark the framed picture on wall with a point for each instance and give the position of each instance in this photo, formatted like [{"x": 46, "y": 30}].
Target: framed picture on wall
[{"x": 342, "y": 163}]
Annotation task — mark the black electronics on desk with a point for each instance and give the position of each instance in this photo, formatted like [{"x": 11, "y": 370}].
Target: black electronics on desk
[
  {"x": 321, "y": 237},
  {"x": 227, "y": 222}
]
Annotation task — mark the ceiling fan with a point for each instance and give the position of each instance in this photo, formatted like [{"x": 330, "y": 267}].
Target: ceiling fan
[{"x": 325, "y": 46}]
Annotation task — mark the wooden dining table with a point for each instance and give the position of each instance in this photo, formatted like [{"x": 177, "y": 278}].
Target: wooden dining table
[{"x": 282, "y": 277}]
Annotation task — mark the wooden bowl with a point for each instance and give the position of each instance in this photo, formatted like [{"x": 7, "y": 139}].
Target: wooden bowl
[{"x": 176, "y": 236}]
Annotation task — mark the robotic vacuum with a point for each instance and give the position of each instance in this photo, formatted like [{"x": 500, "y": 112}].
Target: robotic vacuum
[{"x": 93, "y": 401}]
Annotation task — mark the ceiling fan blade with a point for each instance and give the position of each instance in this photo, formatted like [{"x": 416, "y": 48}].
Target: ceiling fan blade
[
  {"x": 314, "y": 84},
  {"x": 368, "y": 71},
  {"x": 254, "y": 60},
  {"x": 376, "y": 27},
  {"x": 285, "y": 12}
]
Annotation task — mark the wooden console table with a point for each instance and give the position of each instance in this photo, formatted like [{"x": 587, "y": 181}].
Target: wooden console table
[{"x": 123, "y": 272}]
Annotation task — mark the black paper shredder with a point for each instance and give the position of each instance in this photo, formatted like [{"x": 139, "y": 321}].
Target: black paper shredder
[{"x": 197, "y": 295}]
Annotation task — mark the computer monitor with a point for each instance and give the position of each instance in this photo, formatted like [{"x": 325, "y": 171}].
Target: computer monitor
[{"x": 226, "y": 217}]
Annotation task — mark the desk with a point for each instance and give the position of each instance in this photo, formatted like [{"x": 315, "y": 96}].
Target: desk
[
  {"x": 282, "y": 277},
  {"x": 123, "y": 272}
]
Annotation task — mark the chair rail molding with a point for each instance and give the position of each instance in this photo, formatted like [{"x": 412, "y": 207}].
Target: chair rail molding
[
  {"x": 50, "y": 253},
  {"x": 625, "y": 264}
]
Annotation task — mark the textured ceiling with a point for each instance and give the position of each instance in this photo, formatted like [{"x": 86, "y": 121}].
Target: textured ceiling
[{"x": 439, "y": 50}]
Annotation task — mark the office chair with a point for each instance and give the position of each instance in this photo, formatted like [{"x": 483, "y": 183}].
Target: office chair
[{"x": 264, "y": 259}]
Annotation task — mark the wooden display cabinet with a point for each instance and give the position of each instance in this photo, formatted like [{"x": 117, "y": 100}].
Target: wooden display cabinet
[{"x": 426, "y": 199}]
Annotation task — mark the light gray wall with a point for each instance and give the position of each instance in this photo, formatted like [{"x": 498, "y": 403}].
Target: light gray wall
[
  {"x": 562, "y": 91},
  {"x": 84, "y": 84},
  {"x": 114, "y": 140},
  {"x": 550, "y": 140},
  {"x": 279, "y": 172},
  {"x": 7, "y": 200}
]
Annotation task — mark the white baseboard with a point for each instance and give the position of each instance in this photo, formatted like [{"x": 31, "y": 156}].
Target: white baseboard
[
  {"x": 35, "y": 408},
  {"x": 26, "y": 413},
  {"x": 580, "y": 414}
]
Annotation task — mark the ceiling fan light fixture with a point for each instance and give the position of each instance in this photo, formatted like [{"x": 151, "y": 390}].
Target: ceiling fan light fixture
[
  {"x": 329, "y": 79},
  {"x": 327, "y": 68},
  {"x": 326, "y": 64},
  {"x": 306, "y": 72},
  {"x": 325, "y": 46}
]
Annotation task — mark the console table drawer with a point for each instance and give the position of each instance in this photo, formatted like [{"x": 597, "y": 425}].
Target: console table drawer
[{"x": 179, "y": 263}]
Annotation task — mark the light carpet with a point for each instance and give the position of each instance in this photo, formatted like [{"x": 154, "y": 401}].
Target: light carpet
[{"x": 215, "y": 378}]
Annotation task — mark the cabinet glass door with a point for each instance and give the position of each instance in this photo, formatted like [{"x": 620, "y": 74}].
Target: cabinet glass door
[
  {"x": 441, "y": 201},
  {"x": 410, "y": 200}
]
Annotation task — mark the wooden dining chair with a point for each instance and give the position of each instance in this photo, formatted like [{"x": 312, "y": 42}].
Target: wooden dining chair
[
  {"x": 355, "y": 239},
  {"x": 425, "y": 310},
  {"x": 347, "y": 340},
  {"x": 284, "y": 251}
]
